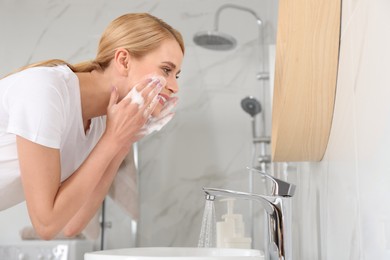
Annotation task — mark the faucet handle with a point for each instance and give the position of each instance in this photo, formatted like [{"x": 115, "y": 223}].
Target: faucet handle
[{"x": 280, "y": 188}]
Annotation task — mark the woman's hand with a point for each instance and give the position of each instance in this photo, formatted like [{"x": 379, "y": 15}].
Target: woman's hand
[
  {"x": 157, "y": 123},
  {"x": 126, "y": 117}
]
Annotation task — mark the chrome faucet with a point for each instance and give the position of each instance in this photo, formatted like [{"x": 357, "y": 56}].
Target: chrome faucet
[
  {"x": 280, "y": 188},
  {"x": 278, "y": 208}
]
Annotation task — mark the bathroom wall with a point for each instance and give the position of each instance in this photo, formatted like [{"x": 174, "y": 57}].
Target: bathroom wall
[
  {"x": 208, "y": 143},
  {"x": 341, "y": 208}
]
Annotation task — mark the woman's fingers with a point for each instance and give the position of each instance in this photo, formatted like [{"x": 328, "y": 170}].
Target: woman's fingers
[
  {"x": 147, "y": 99},
  {"x": 169, "y": 106},
  {"x": 134, "y": 96},
  {"x": 158, "y": 80},
  {"x": 127, "y": 117},
  {"x": 155, "y": 124},
  {"x": 145, "y": 92}
]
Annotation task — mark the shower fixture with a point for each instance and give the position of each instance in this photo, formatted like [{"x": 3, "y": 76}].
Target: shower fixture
[
  {"x": 251, "y": 105},
  {"x": 259, "y": 151},
  {"x": 216, "y": 40}
]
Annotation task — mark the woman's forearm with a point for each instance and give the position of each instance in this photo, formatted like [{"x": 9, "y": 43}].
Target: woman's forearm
[
  {"x": 89, "y": 209},
  {"x": 51, "y": 205}
]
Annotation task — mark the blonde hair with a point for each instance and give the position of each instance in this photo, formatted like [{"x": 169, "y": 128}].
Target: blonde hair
[{"x": 138, "y": 33}]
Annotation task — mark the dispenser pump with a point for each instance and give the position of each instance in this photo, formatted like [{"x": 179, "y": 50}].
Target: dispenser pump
[
  {"x": 230, "y": 231},
  {"x": 230, "y": 206}
]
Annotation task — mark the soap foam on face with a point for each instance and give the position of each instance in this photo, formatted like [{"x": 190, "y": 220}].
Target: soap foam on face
[
  {"x": 155, "y": 77},
  {"x": 136, "y": 97},
  {"x": 153, "y": 124}
]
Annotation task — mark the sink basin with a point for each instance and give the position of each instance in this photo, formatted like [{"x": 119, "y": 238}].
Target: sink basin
[{"x": 177, "y": 253}]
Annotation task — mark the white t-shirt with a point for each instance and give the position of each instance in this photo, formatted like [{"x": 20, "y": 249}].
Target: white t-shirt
[{"x": 43, "y": 105}]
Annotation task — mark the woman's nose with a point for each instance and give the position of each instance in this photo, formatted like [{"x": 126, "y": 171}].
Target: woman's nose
[{"x": 172, "y": 86}]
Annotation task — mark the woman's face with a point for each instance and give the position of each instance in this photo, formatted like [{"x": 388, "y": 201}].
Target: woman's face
[{"x": 164, "y": 61}]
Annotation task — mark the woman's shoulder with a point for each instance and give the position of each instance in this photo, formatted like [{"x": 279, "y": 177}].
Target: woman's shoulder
[
  {"x": 48, "y": 74},
  {"x": 59, "y": 79}
]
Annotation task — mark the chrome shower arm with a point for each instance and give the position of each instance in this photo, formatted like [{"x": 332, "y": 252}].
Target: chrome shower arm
[{"x": 216, "y": 19}]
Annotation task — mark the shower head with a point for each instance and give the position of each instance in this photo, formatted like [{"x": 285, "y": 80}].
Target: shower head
[
  {"x": 251, "y": 105},
  {"x": 214, "y": 40}
]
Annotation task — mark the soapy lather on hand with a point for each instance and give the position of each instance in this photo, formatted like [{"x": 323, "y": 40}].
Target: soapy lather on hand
[{"x": 153, "y": 123}]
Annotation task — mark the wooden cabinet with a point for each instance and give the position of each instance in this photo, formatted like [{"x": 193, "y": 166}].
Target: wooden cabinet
[{"x": 307, "y": 54}]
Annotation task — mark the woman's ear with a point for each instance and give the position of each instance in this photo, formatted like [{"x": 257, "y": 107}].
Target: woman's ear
[{"x": 122, "y": 60}]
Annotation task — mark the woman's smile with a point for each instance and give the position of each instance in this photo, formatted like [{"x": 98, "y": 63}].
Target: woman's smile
[{"x": 163, "y": 98}]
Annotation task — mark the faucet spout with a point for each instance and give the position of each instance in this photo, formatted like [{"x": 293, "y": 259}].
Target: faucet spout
[
  {"x": 265, "y": 200},
  {"x": 278, "y": 215}
]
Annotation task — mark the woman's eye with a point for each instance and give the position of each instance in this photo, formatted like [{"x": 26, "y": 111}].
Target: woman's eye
[{"x": 166, "y": 70}]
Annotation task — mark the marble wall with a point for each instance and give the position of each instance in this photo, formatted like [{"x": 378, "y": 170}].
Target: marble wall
[{"x": 209, "y": 142}]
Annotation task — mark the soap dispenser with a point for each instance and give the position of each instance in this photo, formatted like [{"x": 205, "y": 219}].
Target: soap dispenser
[{"x": 230, "y": 231}]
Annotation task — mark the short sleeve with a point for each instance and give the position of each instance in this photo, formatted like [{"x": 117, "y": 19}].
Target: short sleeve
[{"x": 36, "y": 108}]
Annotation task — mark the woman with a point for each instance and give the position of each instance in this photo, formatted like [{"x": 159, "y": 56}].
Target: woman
[{"x": 65, "y": 129}]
